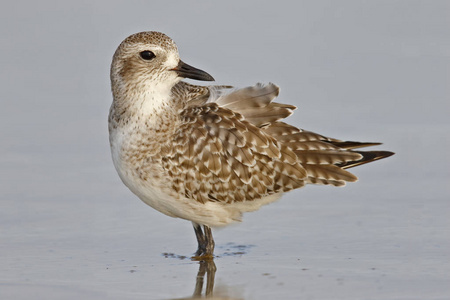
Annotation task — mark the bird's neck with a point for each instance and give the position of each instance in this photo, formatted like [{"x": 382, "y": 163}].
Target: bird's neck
[
  {"x": 148, "y": 119},
  {"x": 149, "y": 104}
]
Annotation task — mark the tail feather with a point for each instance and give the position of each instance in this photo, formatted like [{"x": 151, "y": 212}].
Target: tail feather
[
  {"x": 352, "y": 145},
  {"x": 367, "y": 157}
]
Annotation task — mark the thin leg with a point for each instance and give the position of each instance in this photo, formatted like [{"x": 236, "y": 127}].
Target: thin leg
[
  {"x": 200, "y": 239},
  {"x": 205, "y": 241},
  {"x": 209, "y": 241}
]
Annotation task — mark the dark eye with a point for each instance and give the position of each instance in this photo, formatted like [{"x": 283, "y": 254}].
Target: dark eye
[{"x": 147, "y": 55}]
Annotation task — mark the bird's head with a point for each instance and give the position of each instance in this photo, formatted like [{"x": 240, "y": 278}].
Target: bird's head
[{"x": 150, "y": 60}]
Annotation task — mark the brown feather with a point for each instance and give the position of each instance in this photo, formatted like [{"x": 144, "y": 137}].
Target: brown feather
[
  {"x": 242, "y": 151},
  {"x": 255, "y": 163},
  {"x": 368, "y": 156}
]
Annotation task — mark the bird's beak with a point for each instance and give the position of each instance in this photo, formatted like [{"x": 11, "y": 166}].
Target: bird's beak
[{"x": 186, "y": 71}]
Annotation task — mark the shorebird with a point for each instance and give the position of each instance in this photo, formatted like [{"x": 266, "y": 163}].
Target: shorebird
[{"x": 208, "y": 154}]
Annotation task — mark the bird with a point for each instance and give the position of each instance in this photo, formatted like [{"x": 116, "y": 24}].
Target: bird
[{"x": 208, "y": 154}]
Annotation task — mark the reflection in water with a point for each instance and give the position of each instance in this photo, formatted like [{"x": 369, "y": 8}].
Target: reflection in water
[{"x": 207, "y": 269}]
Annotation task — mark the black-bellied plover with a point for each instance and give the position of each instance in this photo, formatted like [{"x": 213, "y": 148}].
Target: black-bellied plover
[{"x": 207, "y": 154}]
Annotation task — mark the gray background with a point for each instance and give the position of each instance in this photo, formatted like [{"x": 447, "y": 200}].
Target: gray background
[{"x": 357, "y": 70}]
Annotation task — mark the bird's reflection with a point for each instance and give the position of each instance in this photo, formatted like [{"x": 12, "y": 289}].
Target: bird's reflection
[{"x": 209, "y": 269}]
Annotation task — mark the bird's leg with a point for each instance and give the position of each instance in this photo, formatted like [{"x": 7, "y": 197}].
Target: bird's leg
[
  {"x": 205, "y": 241},
  {"x": 209, "y": 251},
  {"x": 200, "y": 239}
]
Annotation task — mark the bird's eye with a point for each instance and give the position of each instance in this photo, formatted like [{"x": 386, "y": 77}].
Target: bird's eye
[{"x": 147, "y": 55}]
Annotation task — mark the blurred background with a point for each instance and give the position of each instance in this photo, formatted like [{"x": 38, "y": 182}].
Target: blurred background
[{"x": 357, "y": 70}]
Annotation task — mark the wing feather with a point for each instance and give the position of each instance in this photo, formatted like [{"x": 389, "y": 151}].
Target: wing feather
[
  {"x": 234, "y": 147},
  {"x": 233, "y": 159}
]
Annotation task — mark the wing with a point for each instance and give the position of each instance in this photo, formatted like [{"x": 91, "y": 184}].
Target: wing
[
  {"x": 325, "y": 159},
  {"x": 234, "y": 147},
  {"x": 219, "y": 156}
]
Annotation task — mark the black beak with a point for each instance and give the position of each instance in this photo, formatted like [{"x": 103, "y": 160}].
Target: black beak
[{"x": 187, "y": 71}]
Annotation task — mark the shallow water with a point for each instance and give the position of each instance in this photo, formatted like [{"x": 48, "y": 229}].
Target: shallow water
[
  {"x": 374, "y": 247},
  {"x": 374, "y": 71}
]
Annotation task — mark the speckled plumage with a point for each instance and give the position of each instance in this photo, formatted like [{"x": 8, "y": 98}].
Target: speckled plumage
[{"x": 209, "y": 153}]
